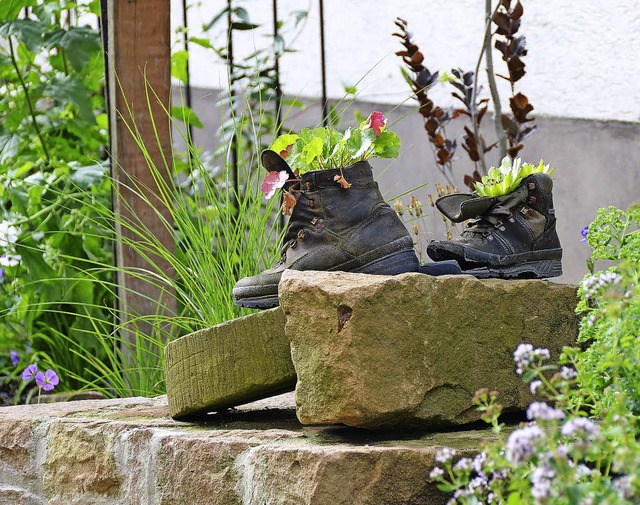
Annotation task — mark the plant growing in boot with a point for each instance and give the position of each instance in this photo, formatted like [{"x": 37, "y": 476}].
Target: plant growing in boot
[{"x": 335, "y": 225}]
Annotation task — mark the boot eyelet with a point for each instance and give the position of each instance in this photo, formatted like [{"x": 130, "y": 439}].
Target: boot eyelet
[
  {"x": 301, "y": 234},
  {"x": 502, "y": 228},
  {"x": 312, "y": 203},
  {"x": 314, "y": 221},
  {"x": 294, "y": 244},
  {"x": 489, "y": 237},
  {"x": 512, "y": 220},
  {"x": 532, "y": 200},
  {"x": 532, "y": 186}
]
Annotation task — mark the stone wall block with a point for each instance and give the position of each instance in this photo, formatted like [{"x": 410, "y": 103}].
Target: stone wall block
[{"x": 411, "y": 350}]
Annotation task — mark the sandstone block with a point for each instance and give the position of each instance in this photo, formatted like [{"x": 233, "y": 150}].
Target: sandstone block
[
  {"x": 411, "y": 350},
  {"x": 232, "y": 363},
  {"x": 80, "y": 460}
]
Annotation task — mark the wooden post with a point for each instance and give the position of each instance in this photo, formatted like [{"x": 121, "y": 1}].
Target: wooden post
[{"x": 138, "y": 48}]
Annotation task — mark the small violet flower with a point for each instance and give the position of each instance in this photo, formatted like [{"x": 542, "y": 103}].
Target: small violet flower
[
  {"x": 542, "y": 411},
  {"x": 436, "y": 473},
  {"x": 272, "y": 182},
  {"x": 584, "y": 233},
  {"x": 376, "y": 121},
  {"x": 580, "y": 426},
  {"x": 29, "y": 372},
  {"x": 533, "y": 387},
  {"x": 15, "y": 357},
  {"x": 47, "y": 380},
  {"x": 445, "y": 454},
  {"x": 1, "y": 273},
  {"x": 520, "y": 444}
]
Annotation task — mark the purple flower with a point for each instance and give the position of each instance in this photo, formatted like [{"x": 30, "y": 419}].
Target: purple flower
[
  {"x": 584, "y": 232},
  {"x": 47, "y": 380},
  {"x": 1, "y": 273},
  {"x": 29, "y": 372},
  {"x": 15, "y": 357}
]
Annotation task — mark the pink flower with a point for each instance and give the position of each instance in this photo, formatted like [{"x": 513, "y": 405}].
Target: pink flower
[
  {"x": 376, "y": 121},
  {"x": 272, "y": 182}
]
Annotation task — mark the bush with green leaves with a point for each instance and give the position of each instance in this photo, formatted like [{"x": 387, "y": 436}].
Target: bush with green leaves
[
  {"x": 581, "y": 444},
  {"x": 53, "y": 132}
]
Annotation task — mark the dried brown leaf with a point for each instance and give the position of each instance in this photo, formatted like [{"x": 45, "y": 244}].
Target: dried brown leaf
[
  {"x": 342, "y": 181},
  {"x": 289, "y": 203}
]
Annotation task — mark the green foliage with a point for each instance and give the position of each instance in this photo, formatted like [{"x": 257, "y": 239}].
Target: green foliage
[
  {"x": 506, "y": 178},
  {"x": 52, "y": 180},
  {"x": 326, "y": 148},
  {"x": 584, "y": 448}
]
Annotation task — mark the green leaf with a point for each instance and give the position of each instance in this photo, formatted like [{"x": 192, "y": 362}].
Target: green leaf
[
  {"x": 368, "y": 136},
  {"x": 28, "y": 31},
  {"x": 89, "y": 176},
  {"x": 79, "y": 43},
  {"x": 283, "y": 141},
  {"x": 9, "y": 146},
  {"x": 186, "y": 115},
  {"x": 179, "y": 61},
  {"x": 206, "y": 43},
  {"x": 72, "y": 89},
  {"x": 514, "y": 499},
  {"x": 387, "y": 145},
  {"x": 312, "y": 150},
  {"x": 10, "y": 9}
]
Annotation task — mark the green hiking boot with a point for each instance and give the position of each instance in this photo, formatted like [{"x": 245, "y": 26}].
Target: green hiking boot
[
  {"x": 509, "y": 236},
  {"x": 332, "y": 228}
]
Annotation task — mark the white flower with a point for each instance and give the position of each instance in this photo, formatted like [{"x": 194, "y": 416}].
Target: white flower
[
  {"x": 445, "y": 454},
  {"x": 541, "y": 482},
  {"x": 580, "y": 426},
  {"x": 525, "y": 354},
  {"x": 10, "y": 260},
  {"x": 568, "y": 373},
  {"x": 520, "y": 445},
  {"x": 463, "y": 464},
  {"x": 8, "y": 233},
  {"x": 533, "y": 387},
  {"x": 436, "y": 473},
  {"x": 542, "y": 411}
]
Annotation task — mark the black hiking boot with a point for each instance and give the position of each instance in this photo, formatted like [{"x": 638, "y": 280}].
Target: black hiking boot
[
  {"x": 511, "y": 236},
  {"x": 331, "y": 228}
]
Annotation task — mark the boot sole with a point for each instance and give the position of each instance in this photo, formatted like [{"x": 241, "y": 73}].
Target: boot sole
[
  {"x": 542, "y": 269},
  {"x": 398, "y": 262}
]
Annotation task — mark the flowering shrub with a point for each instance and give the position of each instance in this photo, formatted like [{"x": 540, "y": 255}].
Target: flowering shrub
[{"x": 580, "y": 444}]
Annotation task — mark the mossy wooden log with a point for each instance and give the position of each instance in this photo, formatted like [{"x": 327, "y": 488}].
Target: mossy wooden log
[{"x": 229, "y": 364}]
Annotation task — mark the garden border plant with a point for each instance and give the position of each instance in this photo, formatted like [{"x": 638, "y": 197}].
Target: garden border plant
[{"x": 581, "y": 443}]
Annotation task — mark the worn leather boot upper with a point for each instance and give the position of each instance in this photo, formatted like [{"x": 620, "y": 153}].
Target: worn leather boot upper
[{"x": 333, "y": 228}]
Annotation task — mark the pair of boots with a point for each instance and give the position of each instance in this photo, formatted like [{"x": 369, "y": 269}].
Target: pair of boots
[{"x": 354, "y": 230}]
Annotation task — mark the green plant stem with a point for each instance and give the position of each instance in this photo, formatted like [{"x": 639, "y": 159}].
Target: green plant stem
[
  {"x": 493, "y": 87},
  {"x": 32, "y": 112}
]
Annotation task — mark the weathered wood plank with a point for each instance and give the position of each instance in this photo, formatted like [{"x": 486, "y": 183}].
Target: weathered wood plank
[{"x": 139, "y": 35}]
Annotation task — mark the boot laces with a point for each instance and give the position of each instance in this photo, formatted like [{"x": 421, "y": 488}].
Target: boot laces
[{"x": 490, "y": 220}]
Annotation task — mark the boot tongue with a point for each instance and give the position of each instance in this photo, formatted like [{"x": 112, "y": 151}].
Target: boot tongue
[
  {"x": 273, "y": 162},
  {"x": 459, "y": 207}
]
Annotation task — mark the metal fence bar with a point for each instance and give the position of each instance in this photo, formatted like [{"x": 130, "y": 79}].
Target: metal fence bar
[{"x": 323, "y": 67}]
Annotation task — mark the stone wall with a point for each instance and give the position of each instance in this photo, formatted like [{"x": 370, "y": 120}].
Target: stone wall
[{"x": 117, "y": 452}]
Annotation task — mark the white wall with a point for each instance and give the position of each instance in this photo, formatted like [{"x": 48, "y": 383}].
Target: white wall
[{"x": 583, "y": 61}]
